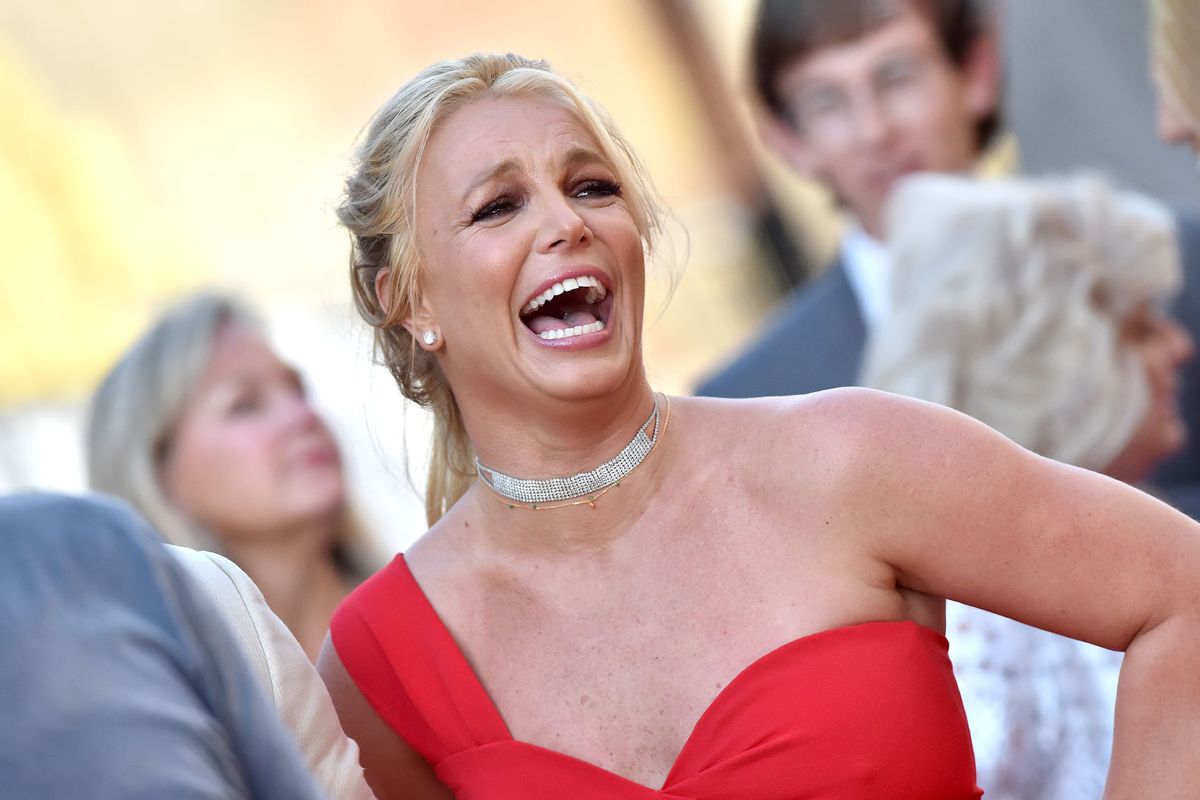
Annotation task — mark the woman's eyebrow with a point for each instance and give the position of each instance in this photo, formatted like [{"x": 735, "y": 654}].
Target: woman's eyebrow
[
  {"x": 508, "y": 165},
  {"x": 580, "y": 156}
]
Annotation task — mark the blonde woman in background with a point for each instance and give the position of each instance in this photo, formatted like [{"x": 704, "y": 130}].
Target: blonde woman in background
[
  {"x": 212, "y": 437},
  {"x": 207, "y": 433},
  {"x": 1036, "y": 307},
  {"x": 1176, "y": 67},
  {"x": 624, "y": 595}
]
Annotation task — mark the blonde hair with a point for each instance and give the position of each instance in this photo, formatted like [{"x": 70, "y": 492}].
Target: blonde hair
[
  {"x": 1175, "y": 35},
  {"x": 1007, "y": 302},
  {"x": 379, "y": 209},
  {"x": 137, "y": 406}
]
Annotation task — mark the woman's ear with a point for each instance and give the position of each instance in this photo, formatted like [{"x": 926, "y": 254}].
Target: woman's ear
[
  {"x": 423, "y": 327},
  {"x": 421, "y": 323},
  {"x": 383, "y": 289}
]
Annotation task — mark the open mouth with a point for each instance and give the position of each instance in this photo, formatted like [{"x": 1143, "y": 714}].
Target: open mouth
[{"x": 572, "y": 307}]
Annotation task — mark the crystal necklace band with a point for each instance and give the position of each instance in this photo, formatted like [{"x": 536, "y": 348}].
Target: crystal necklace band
[{"x": 584, "y": 487}]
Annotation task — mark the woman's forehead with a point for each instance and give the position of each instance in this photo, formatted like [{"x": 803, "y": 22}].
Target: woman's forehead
[{"x": 491, "y": 132}]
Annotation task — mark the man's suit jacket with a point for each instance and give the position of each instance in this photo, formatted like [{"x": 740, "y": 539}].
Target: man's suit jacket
[
  {"x": 817, "y": 341},
  {"x": 814, "y": 342}
]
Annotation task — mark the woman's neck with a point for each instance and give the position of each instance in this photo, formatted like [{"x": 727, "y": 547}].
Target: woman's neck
[
  {"x": 298, "y": 578},
  {"x": 486, "y": 522},
  {"x": 553, "y": 438}
]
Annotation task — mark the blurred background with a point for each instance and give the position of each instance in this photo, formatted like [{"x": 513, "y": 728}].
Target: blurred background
[{"x": 148, "y": 149}]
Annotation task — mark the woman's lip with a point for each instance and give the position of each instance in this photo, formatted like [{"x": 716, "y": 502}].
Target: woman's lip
[
  {"x": 318, "y": 456},
  {"x": 580, "y": 342},
  {"x": 576, "y": 272}
]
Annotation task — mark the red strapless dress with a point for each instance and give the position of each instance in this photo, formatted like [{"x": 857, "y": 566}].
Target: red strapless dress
[{"x": 866, "y": 711}]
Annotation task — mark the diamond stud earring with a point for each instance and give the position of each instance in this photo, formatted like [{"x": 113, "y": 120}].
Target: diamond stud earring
[{"x": 430, "y": 338}]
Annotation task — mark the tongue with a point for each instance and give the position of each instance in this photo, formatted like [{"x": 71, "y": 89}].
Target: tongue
[{"x": 542, "y": 323}]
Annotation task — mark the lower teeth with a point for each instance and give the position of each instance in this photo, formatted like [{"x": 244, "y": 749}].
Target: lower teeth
[{"x": 578, "y": 330}]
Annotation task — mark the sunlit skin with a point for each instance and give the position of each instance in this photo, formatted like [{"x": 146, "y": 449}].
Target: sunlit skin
[
  {"x": 514, "y": 193},
  {"x": 1163, "y": 346},
  {"x": 867, "y": 112},
  {"x": 253, "y": 463}
]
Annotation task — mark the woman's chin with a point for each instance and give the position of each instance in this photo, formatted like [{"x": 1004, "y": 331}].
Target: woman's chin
[
  {"x": 585, "y": 373},
  {"x": 317, "y": 499}
]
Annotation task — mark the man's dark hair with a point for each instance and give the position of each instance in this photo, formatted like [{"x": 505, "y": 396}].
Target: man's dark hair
[{"x": 786, "y": 31}]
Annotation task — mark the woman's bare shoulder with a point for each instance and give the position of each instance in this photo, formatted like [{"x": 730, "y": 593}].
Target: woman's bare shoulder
[
  {"x": 831, "y": 443},
  {"x": 847, "y": 417}
]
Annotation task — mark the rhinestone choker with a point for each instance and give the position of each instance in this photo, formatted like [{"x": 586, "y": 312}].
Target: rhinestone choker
[{"x": 584, "y": 487}]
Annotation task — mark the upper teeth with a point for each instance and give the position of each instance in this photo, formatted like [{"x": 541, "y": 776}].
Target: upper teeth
[{"x": 596, "y": 292}]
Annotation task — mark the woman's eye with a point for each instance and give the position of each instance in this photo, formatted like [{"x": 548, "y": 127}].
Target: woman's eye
[
  {"x": 597, "y": 188},
  {"x": 244, "y": 404},
  {"x": 496, "y": 208}
]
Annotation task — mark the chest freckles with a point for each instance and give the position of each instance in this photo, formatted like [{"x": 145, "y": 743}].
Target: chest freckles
[{"x": 622, "y": 695}]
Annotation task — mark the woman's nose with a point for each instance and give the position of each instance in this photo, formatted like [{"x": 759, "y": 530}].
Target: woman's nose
[
  {"x": 562, "y": 226},
  {"x": 298, "y": 412},
  {"x": 1178, "y": 344}
]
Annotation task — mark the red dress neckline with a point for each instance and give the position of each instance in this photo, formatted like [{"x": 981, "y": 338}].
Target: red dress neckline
[{"x": 451, "y": 719}]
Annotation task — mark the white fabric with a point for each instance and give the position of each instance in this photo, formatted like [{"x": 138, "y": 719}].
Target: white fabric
[
  {"x": 295, "y": 688},
  {"x": 868, "y": 268},
  {"x": 1040, "y": 707}
]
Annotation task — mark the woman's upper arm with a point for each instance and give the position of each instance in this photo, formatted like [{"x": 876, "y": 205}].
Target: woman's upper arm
[
  {"x": 394, "y": 770},
  {"x": 960, "y": 511}
]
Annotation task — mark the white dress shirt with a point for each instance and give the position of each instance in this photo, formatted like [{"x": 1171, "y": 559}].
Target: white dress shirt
[{"x": 869, "y": 270}]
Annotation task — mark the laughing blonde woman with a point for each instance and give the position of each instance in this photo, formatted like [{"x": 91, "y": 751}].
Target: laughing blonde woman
[{"x": 625, "y": 595}]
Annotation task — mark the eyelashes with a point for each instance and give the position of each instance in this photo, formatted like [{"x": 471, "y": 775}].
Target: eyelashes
[
  {"x": 597, "y": 188},
  {"x": 589, "y": 189},
  {"x": 495, "y": 208}
]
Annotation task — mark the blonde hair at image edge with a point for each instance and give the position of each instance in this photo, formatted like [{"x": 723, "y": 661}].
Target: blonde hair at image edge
[
  {"x": 1175, "y": 37},
  {"x": 1008, "y": 301},
  {"x": 378, "y": 211},
  {"x": 140, "y": 400}
]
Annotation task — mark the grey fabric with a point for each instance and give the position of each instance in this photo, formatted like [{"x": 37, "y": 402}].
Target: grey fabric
[
  {"x": 119, "y": 680},
  {"x": 814, "y": 342}
]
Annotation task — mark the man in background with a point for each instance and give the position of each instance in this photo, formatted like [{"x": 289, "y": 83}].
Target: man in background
[{"x": 856, "y": 95}]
